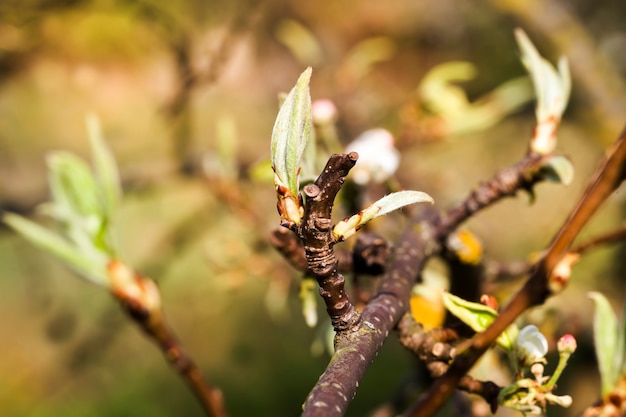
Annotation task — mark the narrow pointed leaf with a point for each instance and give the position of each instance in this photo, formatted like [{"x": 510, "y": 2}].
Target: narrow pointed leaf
[
  {"x": 385, "y": 205},
  {"x": 72, "y": 184},
  {"x": 292, "y": 131},
  {"x": 605, "y": 335},
  {"x": 94, "y": 269},
  {"x": 551, "y": 87},
  {"x": 105, "y": 167},
  {"x": 479, "y": 317},
  {"x": 399, "y": 199}
]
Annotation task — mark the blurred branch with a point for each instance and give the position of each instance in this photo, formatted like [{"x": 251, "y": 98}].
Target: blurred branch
[
  {"x": 179, "y": 39},
  {"x": 614, "y": 236}
]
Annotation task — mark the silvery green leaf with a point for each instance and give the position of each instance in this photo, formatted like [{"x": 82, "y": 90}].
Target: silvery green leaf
[
  {"x": 558, "y": 168},
  {"x": 73, "y": 187},
  {"x": 552, "y": 87},
  {"x": 399, "y": 199},
  {"x": 606, "y": 334},
  {"x": 479, "y": 317},
  {"x": 105, "y": 168},
  {"x": 292, "y": 131},
  {"x": 92, "y": 268},
  {"x": 308, "y": 298},
  {"x": 385, "y": 205}
]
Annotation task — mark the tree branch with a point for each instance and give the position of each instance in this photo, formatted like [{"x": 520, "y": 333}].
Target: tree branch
[
  {"x": 315, "y": 230},
  {"x": 357, "y": 349},
  {"x": 537, "y": 288}
]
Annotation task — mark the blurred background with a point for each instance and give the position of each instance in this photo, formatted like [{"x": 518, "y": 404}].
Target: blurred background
[{"x": 187, "y": 93}]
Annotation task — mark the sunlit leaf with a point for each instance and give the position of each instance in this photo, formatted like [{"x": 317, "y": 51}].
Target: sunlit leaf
[
  {"x": 479, "y": 317},
  {"x": 105, "y": 168},
  {"x": 292, "y": 131},
  {"x": 606, "y": 335},
  {"x": 558, "y": 168},
  {"x": 93, "y": 268},
  {"x": 385, "y": 205},
  {"x": 552, "y": 87},
  {"x": 73, "y": 187}
]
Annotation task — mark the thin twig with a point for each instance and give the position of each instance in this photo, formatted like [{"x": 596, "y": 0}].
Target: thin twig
[{"x": 613, "y": 236}]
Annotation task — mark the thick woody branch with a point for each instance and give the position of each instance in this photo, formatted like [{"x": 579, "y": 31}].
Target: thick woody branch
[
  {"x": 355, "y": 351},
  {"x": 337, "y": 386},
  {"x": 537, "y": 288},
  {"x": 316, "y": 233},
  {"x": 368, "y": 256}
]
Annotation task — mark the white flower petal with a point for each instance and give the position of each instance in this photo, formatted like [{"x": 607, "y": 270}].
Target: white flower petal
[{"x": 531, "y": 345}]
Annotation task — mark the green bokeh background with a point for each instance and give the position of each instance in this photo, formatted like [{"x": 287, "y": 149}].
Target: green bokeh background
[{"x": 197, "y": 221}]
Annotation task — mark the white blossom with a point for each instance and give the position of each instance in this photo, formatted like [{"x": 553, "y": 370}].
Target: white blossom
[
  {"x": 531, "y": 345},
  {"x": 378, "y": 157}
]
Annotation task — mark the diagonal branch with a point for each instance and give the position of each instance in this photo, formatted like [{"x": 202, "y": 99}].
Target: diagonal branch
[
  {"x": 315, "y": 230},
  {"x": 355, "y": 350},
  {"x": 537, "y": 288}
]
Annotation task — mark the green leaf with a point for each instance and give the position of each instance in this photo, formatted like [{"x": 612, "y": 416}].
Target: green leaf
[
  {"x": 606, "y": 335},
  {"x": 105, "y": 168},
  {"x": 73, "y": 187},
  {"x": 292, "y": 131},
  {"x": 551, "y": 86},
  {"x": 479, "y": 317},
  {"x": 308, "y": 297},
  {"x": 93, "y": 268},
  {"x": 558, "y": 168},
  {"x": 397, "y": 200},
  {"x": 385, "y": 205}
]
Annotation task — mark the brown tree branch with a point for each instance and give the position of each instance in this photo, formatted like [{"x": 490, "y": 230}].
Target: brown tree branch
[
  {"x": 140, "y": 299},
  {"x": 355, "y": 350},
  {"x": 315, "y": 230},
  {"x": 537, "y": 288}
]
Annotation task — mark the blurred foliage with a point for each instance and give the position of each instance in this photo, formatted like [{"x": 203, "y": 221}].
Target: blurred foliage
[{"x": 171, "y": 82}]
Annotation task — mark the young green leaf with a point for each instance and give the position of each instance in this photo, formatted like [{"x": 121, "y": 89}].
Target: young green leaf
[
  {"x": 606, "y": 335},
  {"x": 551, "y": 86},
  {"x": 105, "y": 168},
  {"x": 385, "y": 205},
  {"x": 73, "y": 187},
  {"x": 91, "y": 267},
  {"x": 479, "y": 317},
  {"x": 558, "y": 168},
  {"x": 292, "y": 131}
]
